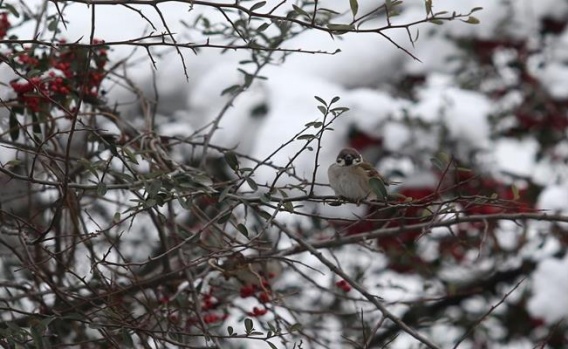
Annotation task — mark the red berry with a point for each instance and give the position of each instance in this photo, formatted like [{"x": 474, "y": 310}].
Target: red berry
[
  {"x": 247, "y": 291},
  {"x": 343, "y": 285},
  {"x": 264, "y": 297}
]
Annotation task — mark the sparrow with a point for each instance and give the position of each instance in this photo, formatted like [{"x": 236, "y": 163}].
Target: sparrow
[{"x": 349, "y": 176}]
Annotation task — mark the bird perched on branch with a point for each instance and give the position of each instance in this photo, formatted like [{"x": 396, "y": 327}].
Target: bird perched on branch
[{"x": 354, "y": 179}]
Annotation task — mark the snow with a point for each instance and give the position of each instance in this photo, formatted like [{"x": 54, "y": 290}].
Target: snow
[
  {"x": 516, "y": 156},
  {"x": 550, "y": 282},
  {"x": 554, "y": 199}
]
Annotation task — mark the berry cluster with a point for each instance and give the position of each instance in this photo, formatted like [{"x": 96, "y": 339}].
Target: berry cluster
[
  {"x": 256, "y": 312},
  {"x": 212, "y": 318},
  {"x": 262, "y": 294},
  {"x": 58, "y": 77}
]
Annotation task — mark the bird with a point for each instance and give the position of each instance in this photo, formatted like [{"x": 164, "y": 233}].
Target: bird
[{"x": 349, "y": 176}]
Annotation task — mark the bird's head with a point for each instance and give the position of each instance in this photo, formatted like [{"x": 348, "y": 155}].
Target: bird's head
[{"x": 348, "y": 157}]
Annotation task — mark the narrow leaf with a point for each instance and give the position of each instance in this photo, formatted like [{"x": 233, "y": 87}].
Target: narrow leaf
[
  {"x": 300, "y": 11},
  {"x": 354, "y": 7},
  {"x": 232, "y": 160},
  {"x": 263, "y": 27},
  {"x": 319, "y": 99},
  {"x": 15, "y": 12},
  {"x": 340, "y": 27},
  {"x": 295, "y": 327},
  {"x": 306, "y": 137},
  {"x": 428, "y": 7},
  {"x": 243, "y": 230},
  {"x": 257, "y": 5},
  {"x": 14, "y": 126},
  {"x": 252, "y": 184}
]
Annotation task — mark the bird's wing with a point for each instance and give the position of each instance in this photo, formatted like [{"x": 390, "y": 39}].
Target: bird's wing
[{"x": 372, "y": 172}]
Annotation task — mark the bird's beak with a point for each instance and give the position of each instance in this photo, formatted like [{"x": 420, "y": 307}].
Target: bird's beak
[{"x": 348, "y": 160}]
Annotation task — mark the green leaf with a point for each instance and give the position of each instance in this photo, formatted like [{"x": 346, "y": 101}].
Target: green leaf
[
  {"x": 243, "y": 229},
  {"x": 52, "y": 25},
  {"x": 319, "y": 99},
  {"x": 36, "y": 128},
  {"x": 116, "y": 217},
  {"x": 231, "y": 90},
  {"x": 334, "y": 100},
  {"x": 322, "y": 109},
  {"x": 265, "y": 198},
  {"x": 378, "y": 187},
  {"x": 265, "y": 215},
  {"x": 475, "y": 9},
  {"x": 305, "y": 137},
  {"x": 15, "y": 12},
  {"x": 428, "y": 7},
  {"x": 150, "y": 203},
  {"x": 257, "y": 5},
  {"x": 472, "y": 20},
  {"x": 340, "y": 110},
  {"x": 252, "y": 184},
  {"x": 300, "y": 11},
  {"x": 153, "y": 188},
  {"x": 340, "y": 27},
  {"x": 288, "y": 206},
  {"x": 436, "y": 21},
  {"x": 295, "y": 327},
  {"x": 101, "y": 189},
  {"x": 131, "y": 156},
  {"x": 232, "y": 160},
  {"x": 272, "y": 346},
  {"x": 262, "y": 27},
  {"x": 224, "y": 193},
  {"x": 248, "y": 325},
  {"x": 230, "y": 330},
  {"x": 14, "y": 126},
  {"x": 354, "y": 7}
]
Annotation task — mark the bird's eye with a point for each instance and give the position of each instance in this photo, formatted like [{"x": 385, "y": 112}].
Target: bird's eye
[
  {"x": 357, "y": 161},
  {"x": 339, "y": 161}
]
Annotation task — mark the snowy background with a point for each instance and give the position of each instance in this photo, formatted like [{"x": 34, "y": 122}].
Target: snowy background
[{"x": 363, "y": 75}]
